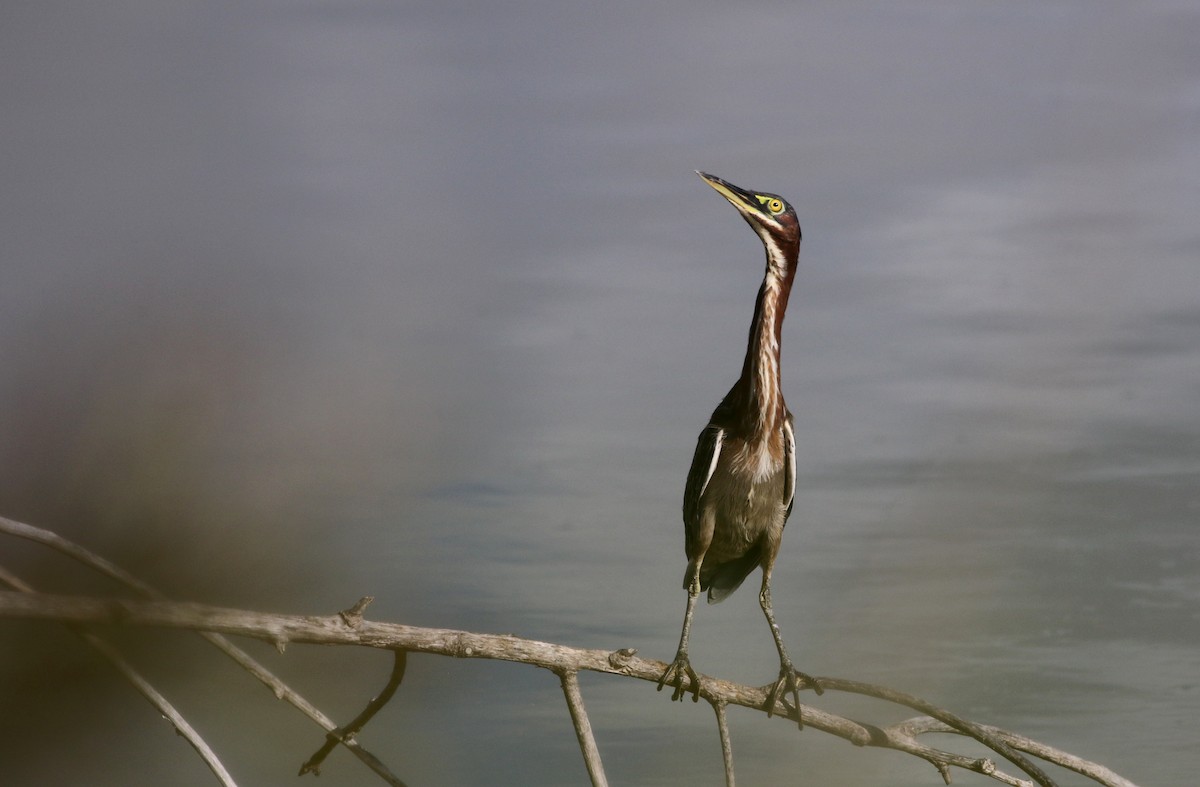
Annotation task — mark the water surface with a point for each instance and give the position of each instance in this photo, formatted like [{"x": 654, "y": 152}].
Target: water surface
[{"x": 302, "y": 302}]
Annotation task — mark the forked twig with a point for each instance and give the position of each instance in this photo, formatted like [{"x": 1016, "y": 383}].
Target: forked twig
[
  {"x": 1098, "y": 773},
  {"x": 958, "y": 724}
]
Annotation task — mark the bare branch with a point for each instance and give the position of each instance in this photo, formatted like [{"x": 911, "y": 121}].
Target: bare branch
[
  {"x": 163, "y": 705},
  {"x": 583, "y": 728},
  {"x": 726, "y": 745},
  {"x": 71, "y": 549},
  {"x": 334, "y": 630}
]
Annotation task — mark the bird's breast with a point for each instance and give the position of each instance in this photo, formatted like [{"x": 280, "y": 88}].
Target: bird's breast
[{"x": 757, "y": 459}]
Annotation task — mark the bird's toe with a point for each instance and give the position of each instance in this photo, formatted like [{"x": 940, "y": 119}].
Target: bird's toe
[
  {"x": 675, "y": 674},
  {"x": 790, "y": 681}
]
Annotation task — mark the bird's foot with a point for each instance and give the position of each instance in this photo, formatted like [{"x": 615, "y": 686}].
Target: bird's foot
[
  {"x": 674, "y": 675},
  {"x": 791, "y": 680}
]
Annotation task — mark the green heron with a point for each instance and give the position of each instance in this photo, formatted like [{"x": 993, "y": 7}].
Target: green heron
[{"x": 739, "y": 490}]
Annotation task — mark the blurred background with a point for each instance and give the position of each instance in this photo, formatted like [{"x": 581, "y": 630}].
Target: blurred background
[{"x": 304, "y": 301}]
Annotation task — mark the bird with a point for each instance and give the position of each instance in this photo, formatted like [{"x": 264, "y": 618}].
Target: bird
[{"x": 742, "y": 482}]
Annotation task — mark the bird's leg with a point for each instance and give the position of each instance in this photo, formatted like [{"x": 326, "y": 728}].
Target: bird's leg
[
  {"x": 789, "y": 678},
  {"x": 681, "y": 666}
]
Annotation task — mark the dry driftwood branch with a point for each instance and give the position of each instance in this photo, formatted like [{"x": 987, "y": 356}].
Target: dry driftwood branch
[
  {"x": 280, "y": 689},
  {"x": 560, "y": 659}
]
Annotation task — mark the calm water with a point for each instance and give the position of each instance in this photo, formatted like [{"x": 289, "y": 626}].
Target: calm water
[{"x": 302, "y": 302}]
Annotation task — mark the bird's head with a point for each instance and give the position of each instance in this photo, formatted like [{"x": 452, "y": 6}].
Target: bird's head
[{"x": 769, "y": 215}]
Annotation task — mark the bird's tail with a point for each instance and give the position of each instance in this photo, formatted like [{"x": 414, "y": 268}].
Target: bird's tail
[{"x": 728, "y": 577}]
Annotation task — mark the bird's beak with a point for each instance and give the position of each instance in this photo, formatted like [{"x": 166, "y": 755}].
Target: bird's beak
[{"x": 746, "y": 203}]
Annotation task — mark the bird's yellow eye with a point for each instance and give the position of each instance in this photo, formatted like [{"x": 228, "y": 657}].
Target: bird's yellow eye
[{"x": 775, "y": 205}]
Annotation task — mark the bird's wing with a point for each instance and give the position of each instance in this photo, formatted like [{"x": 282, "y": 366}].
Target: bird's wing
[
  {"x": 789, "y": 466},
  {"x": 704, "y": 463}
]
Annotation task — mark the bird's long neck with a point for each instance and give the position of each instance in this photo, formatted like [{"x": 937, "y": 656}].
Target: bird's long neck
[{"x": 764, "y": 406}]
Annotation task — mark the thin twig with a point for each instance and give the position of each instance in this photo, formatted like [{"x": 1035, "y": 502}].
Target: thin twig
[
  {"x": 161, "y": 703},
  {"x": 1095, "y": 772},
  {"x": 726, "y": 746},
  {"x": 280, "y": 689},
  {"x": 583, "y": 728},
  {"x": 76, "y": 552},
  {"x": 347, "y": 733},
  {"x": 959, "y": 724}
]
